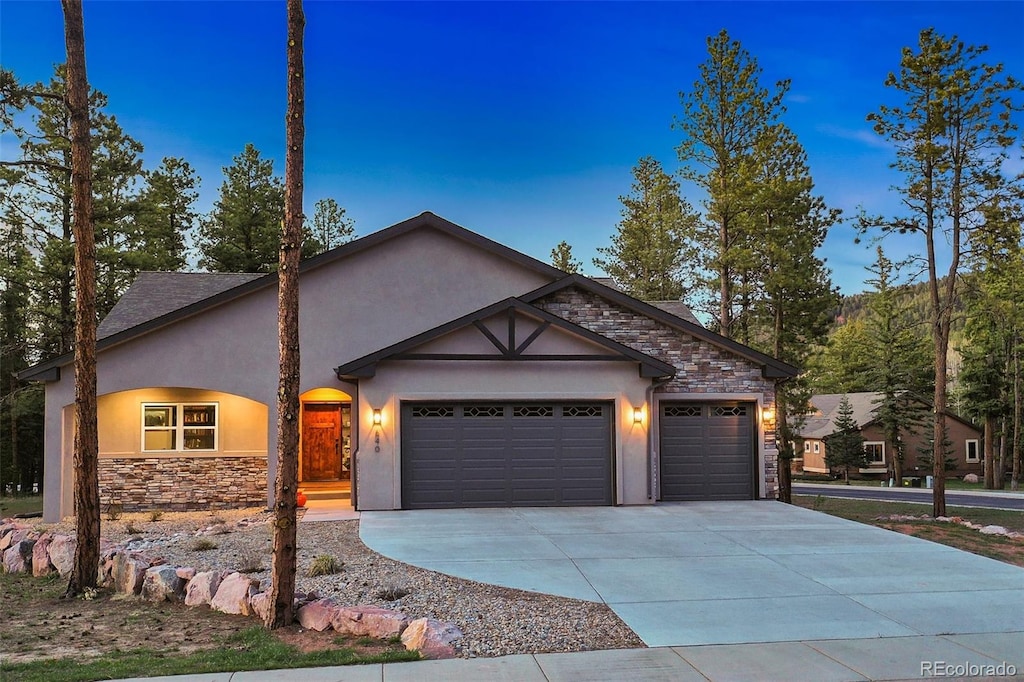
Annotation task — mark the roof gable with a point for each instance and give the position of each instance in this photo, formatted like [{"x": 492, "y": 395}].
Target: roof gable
[
  {"x": 864, "y": 405},
  {"x": 505, "y": 346},
  {"x": 771, "y": 367}
]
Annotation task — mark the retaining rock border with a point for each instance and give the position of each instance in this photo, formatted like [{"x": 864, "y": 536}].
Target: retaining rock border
[{"x": 25, "y": 550}]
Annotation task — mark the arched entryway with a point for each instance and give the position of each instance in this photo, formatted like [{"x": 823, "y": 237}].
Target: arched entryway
[{"x": 326, "y": 443}]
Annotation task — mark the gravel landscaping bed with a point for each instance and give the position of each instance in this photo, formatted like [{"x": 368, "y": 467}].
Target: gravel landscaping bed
[{"x": 496, "y": 621}]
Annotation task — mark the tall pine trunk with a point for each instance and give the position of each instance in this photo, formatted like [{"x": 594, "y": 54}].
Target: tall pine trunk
[
  {"x": 988, "y": 435},
  {"x": 86, "y": 442},
  {"x": 282, "y": 592}
]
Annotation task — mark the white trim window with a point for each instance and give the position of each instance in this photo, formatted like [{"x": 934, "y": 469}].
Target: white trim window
[
  {"x": 875, "y": 452},
  {"x": 179, "y": 427},
  {"x": 817, "y": 447},
  {"x": 972, "y": 453},
  {"x": 807, "y": 446}
]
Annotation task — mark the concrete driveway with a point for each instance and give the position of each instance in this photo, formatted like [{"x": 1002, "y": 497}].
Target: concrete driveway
[{"x": 718, "y": 572}]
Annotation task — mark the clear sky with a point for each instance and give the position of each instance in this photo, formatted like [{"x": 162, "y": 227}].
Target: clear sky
[{"x": 518, "y": 120}]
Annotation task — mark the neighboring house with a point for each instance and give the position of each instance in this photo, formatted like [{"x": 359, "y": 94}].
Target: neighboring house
[
  {"x": 964, "y": 438},
  {"x": 439, "y": 369}
]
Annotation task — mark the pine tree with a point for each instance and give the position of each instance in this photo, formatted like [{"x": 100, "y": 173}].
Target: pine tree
[
  {"x": 562, "y": 258},
  {"x": 952, "y": 134},
  {"x": 166, "y": 216},
  {"x": 648, "y": 253},
  {"x": 844, "y": 447},
  {"x": 243, "y": 231},
  {"x": 900, "y": 363},
  {"x": 724, "y": 116},
  {"x": 331, "y": 228}
]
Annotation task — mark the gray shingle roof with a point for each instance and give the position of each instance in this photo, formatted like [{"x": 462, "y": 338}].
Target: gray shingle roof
[
  {"x": 154, "y": 294},
  {"x": 822, "y": 422},
  {"x": 677, "y": 308}
]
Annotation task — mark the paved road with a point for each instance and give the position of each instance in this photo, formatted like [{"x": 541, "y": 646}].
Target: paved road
[{"x": 990, "y": 500}]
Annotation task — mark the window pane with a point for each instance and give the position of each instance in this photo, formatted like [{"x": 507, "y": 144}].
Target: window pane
[
  {"x": 159, "y": 440},
  {"x": 199, "y": 439},
  {"x": 205, "y": 415},
  {"x": 160, "y": 415}
]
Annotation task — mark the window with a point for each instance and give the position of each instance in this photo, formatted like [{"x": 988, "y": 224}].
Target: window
[
  {"x": 972, "y": 451},
  {"x": 875, "y": 452},
  {"x": 177, "y": 427},
  {"x": 807, "y": 446},
  {"x": 817, "y": 447}
]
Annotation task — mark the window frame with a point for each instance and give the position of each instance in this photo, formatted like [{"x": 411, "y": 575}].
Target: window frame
[
  {"x": 807, "y": 446},
  {"x": 977, "y": 451},
  {"x": 817, "y": 447},
  {"x": 178, "y": 427},
  {"x": 872, "y": 462}
]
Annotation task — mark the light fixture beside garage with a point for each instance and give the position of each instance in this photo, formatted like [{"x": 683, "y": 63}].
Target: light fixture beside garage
[
  {"x": 767, "y": 414},
  {"x": 376, "y": 418},
  {"x": 638, "y": 415}
]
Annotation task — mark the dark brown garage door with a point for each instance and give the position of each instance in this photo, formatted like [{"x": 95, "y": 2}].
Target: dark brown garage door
[
  {"x": 506, "y": 455},
  {"x": 707, "y": 451}
]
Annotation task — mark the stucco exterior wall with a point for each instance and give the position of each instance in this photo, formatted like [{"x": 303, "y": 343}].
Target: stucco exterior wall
[
  {"x": 348, "y": 308},
  {"x": 378, "y": 473},
  {"x": 704, "y": 371}
]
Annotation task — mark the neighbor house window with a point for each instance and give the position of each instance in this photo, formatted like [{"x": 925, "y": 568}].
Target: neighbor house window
[
  {"x": 972, "y": 451},
  {"x": 875, "y": 452},
  {"x": 807, "y": 446},
  {"x": 817, "y": 447},
  {"x": 176, "y": 427}
]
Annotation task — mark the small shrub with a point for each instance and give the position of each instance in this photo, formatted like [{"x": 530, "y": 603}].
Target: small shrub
[
  {"x": 391, "y": 593},
  {"x": 819, "y": 502},
  {"x": 155, "y": 515},
  {"x": 131, "y": 528},
  {"x": 114, "y": 511},
  {"x": 324, "y": 565},
  {"x": 250, "y": 561},
  {"x": 366, "y": 641},
  {"x": 203, "y": 545}
]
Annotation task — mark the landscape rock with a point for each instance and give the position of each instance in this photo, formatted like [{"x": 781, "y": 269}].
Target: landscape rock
[
  {"x": 971, "y": 478},
  {"x": 129, "y": 573},
  {"x": 260, "y": 604},
  {"x": 18, "y": 557},
  {"x": 62, "y": 553},
  {"x": 162, "y": 583},
  {"x": 317, "y": 615},
  {"x": 186, "y": 573},
  {"x": 994, "y": 530},
  {"x": 202, "y": 588},
  {"x": 431, "y": 637},
  {"x": 41, "y": 556},
  {"x": 234, "y": 594},
  {"x": 369, "y": 621}
]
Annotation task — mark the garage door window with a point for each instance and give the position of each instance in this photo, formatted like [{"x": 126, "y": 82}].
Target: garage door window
[{"x": 524, "y": 411}]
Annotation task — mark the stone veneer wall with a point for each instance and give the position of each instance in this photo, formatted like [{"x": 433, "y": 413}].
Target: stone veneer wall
[
  {"x": 702, "y": 367},
  {"x": 183, "y": 483}
]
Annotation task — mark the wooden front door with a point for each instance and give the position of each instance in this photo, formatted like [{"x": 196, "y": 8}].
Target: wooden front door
[{"x": 321, "y": 442}]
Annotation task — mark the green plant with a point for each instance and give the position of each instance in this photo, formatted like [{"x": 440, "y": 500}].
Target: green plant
[
  {"x": 114, "y": 511},
  {"x": 819, "y": 502},
  {"x": 324, "y": 565},
  {"x": 131, "y": 528},
  {"x": 203, "y": 545}
]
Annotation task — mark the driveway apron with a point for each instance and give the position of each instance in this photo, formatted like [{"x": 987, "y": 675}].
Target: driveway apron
[{"x": 704, "y": 573}]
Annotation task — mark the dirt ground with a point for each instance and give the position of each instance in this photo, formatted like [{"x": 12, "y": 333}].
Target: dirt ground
[
  {"x": 37, "y": 624},
  {"x": 997, "y": 547}
]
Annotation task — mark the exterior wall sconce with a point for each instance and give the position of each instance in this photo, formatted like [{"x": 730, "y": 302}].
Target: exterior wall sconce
[
  {"x": 767, "y": 415},
  {"x": 376, "y": 418},
  {"x": 638, "y": 415}
]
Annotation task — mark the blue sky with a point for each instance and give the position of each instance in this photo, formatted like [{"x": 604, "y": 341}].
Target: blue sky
[{"x": 520, "y": 121}]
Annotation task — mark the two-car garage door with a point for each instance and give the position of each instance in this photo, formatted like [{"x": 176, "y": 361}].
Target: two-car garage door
[{"x": 506, "y": 454}]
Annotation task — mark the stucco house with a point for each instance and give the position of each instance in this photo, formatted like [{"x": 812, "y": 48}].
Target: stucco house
[
  {"x": 964, "y": 438},
  {"x": 439, "y": 369}
]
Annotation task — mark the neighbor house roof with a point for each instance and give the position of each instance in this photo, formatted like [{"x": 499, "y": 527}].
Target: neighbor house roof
[{"x": 821, "y": 422}]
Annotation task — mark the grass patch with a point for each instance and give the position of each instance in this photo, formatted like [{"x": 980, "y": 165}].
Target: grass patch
[
  {"x": 29, "y": 504},
  {"x": 252, "y": 649},
  {"x": 324, "y": 565},
  {"x": 874, "y": 512},
  {"x": 202, "y": 545}
]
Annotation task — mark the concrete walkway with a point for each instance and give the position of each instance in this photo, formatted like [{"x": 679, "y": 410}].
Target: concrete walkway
[
  {"x": 905, "y": 658},
  {"x": 718, "y": 572}
]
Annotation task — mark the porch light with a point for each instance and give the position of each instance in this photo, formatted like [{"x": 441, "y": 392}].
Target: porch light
[
  {"x": 768, "y": 414},
  {"x": 638, "y": 415},
  {"x": 376, "y": 417}
]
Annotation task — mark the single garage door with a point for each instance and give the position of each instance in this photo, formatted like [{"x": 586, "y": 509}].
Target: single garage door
[
  {"x": 506, "y": 455},
  {"x": 707, "y": 451}
]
